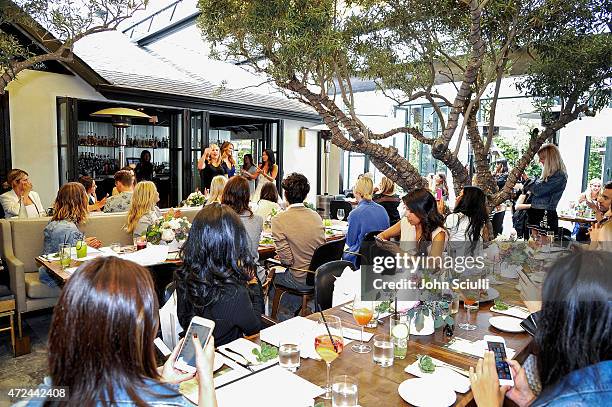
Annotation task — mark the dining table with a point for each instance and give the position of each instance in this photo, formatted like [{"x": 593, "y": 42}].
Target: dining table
[{"x": 576, "y": 219}]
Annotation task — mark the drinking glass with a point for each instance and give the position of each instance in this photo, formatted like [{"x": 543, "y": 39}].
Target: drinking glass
[
  {"x": 140, "y": 242},
  {"x": 81, "y": 249},
  {"x": 383, "y": 350},
  {"x": 471, "y": 302},
  {"x": 329, "y": 344},
  {"x": 550, "y": 235},
  {"x": 345, "y": 391},
  {"x": 362, "y": 313},
  {"x": 65, "y": 255},
  {"x": 340, "y": 214},
  {"x": 400, "y": 332},
  {"x": 289, "y": 355},
  {"x": 116, "y": 247}
]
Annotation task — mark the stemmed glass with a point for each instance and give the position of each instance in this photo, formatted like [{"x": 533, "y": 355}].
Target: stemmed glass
[
  {"x": 362, "y": 312},
  {"x": 340, "y": 214},
  {"x": 329, "y": 344},
  {"x": 471, "y": 302}
]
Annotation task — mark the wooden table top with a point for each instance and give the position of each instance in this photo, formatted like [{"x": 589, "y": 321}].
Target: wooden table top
[
  {"x": 378, "y": 386},
  {"x": 577, "y": 219}
]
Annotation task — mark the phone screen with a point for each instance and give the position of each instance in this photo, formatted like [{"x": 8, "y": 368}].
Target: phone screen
[
  {"x": 503, "y": 369},
  {"x": 187, "y": 355}
]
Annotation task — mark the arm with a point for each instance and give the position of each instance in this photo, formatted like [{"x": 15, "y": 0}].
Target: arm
[
  {"x": 354, "y": 229},
  {"x": 11, "y": 207},
  {"x": 203, "y": 158},
  {"x": 283, "y": 249},
  {"x": 273, "y": 175},
  {"x": 393, "y": 231},
  {"x": 249, "y": 309},
  {"x": 520, "y": 205},
  {"x": 437, "y": 246}
]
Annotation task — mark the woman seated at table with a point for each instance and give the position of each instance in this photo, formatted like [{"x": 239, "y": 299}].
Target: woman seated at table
[
  {"x": 101, "y": 342},
  {"x": 20, "y": 201},
  {"x": 236, "y": 195},
  {"x": 367, "y": 216},
  {"x": 467, "y": 225},
  {"x": 388, "y": 199},
  {"x": 268, "y": 201},
  {"x": 573, "y": 341},
  {"x": 143, "y": 211},
  {"x": 216, "y": 189},
  {"x": 93, "y": 205},
  {"x": 217, "y": 280},
  {"x": 422, "y": 228},
  {"x": 69, "y": 212}
]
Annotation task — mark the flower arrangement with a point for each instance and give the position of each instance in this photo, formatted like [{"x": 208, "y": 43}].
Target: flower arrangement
[
  {"x": 195, "y": 199},
  {"x": 168, "y": 228}
]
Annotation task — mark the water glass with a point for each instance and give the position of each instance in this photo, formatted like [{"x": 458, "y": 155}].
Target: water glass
[
  {"x": 340, "y": 214},
  {"x": 383, "y": 350},
  {"x": 65, "y": 255},
  {"x": 289, "y": 356},
  {"x": 116, "y": 247},
  {"x": 345, "y": 391},
  {"x": 454, "y": 305},
  {"x": 400, "y": 332}
]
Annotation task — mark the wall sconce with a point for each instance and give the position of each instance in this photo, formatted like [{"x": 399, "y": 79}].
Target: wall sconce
[{"x": 302, "y": 137}]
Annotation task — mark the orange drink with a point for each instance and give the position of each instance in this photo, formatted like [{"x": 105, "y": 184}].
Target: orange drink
[
  {"x": 325, "y": 348},
  {"x": 362, "y": 315}
]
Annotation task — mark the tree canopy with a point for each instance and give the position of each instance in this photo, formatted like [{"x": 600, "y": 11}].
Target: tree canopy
[{"x": 314, "y": 50}]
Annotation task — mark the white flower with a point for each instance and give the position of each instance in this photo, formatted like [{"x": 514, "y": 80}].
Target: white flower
[
  {"x": 167, "y": 235},
  {"x": 174, "y": 223},
  {"x": 165, "y": 225}
]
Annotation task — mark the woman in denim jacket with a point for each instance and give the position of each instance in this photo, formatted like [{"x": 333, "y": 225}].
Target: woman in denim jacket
[
  {"x": 573, "y": 340},
  {"x": 546, "y": 191},
  {"x": 69, "y": 211},
  {"x": 101, "y": 342}
]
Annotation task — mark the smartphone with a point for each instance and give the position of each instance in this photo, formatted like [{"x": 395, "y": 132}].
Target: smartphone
[
  {"x": 497, "y": 345},
  {"x": 186, "y": 358}
]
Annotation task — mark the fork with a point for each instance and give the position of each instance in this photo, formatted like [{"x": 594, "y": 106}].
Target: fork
[
  {"x": 439, "y": 363},
  {"x": 248, "y": 363}
]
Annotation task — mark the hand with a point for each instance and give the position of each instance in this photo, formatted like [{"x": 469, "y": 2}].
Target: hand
[
  {"x": 594, "y": 233},
  {"x": 485, "y": 383},
  {"x": 521, "y": 393},
  {"x": 93, "y": 242},
  {"x": 205, "y": 359},
  {"x": 100, "y": 204},
  {"x": 171, "y": 375},
  {"x": 381, "y": 236},
  {"x": 27, "y": 188},
  {"x": 258, "y": 170}
]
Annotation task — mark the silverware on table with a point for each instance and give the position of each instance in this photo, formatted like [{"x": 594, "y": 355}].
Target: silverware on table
[
  {"x": 463, "y": 372},
  {"x": 248, "y": 365}
]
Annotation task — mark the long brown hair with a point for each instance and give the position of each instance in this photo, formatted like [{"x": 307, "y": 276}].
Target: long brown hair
[
  {"x": 224, "y": 152},
  {"x": 236, "y": 195},
  {"x": 71, "y": 203},
  {"x": 102, "y": 333}
]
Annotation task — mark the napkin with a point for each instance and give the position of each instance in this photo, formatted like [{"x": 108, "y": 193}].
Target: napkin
[
  {"x": 152, "y": 254},
  {"x": 245, "y": 348},
  {"x": 346, "y": 286},
  {"x": 476, "y": 348},
  {"x": 70, "y": 270},
  {"x": 454, "y": 380},
  {"x": 512, "y": 311}
]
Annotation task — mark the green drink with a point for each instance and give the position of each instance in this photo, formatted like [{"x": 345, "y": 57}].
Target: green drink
[
  {"x": 399, "y": 336},
  {"x": 64, "y": 255},
  {"x": 81, "y": 249}
]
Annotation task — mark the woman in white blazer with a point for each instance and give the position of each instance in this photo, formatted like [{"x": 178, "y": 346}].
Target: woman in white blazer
[{"x": 20, "y": 201}]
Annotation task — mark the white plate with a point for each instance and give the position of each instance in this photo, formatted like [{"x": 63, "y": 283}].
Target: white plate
[
  {"x": 219, "y": 361},
  {"x": 512, "y": 311},
  {"x": 507, "y": 324},
  {"x": 426, "y": 393}
]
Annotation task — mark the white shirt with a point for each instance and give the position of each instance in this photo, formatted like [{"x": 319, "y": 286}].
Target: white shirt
[
  {"x": 457, "y": 224},
  {"x": 12, "y": 206},
  {"x": 265, "y": 207}
]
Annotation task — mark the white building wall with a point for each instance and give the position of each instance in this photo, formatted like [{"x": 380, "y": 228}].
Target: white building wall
[
  {"x": 33, "y": 116},
  {"x": 300, "y": 159}
]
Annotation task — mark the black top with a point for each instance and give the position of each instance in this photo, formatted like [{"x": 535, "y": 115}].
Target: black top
[
  {"x": 236, "y": 313},
  {"x": 390, "y": 203},
  {"x": 208, "y": 173},
  {"x": 144, "y": 171}
]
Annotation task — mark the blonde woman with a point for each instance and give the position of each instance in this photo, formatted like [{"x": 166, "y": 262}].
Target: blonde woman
[
  {"x": 592, "y": 193},
  {"x": 546, "y": 191},
  {"x": 210, "y": 165},
  {"x": 20, "y": 201},
  {"x": 367, "y": 217},
  {"x": 216, "y": 189},
  {"x": 388, "y": 199},
  {"x": 69, "y": 211},
  {"x": 143, "y": 211}
]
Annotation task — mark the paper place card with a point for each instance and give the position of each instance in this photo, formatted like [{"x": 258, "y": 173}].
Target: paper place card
[
  {"x": 456, "y": 381},
  {"x": 476, "y": 348},
  {"x": 245, "y": 348},
  {"x": 152, "y": 254}
]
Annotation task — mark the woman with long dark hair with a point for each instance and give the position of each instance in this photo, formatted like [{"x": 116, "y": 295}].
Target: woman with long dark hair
[
  {"x": 101, "y": 341},
  {"x": 468, "y": 222},
  {"x": 249, "y": 171},
  {"x": 217, "y": 280},
  {"x": 144, "y": 168},
  {"x": 422, "y": 225},
  {"x": 573, "y": 340},
  {"x": 267, "y": 171}
]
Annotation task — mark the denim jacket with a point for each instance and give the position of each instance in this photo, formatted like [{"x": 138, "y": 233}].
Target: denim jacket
[
  {"x": 546, "y": 194},
  {"x": 591, "y": 386},
  {"x": 58, "y": 232},
  {"x": 151, "y": 396}
]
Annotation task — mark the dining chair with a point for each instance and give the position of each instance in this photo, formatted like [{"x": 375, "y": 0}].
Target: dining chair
[
  {"x": 7, "y": 309},
  {"x": 323, "y": 254},
  {"x": 339, "y": 204},
  {"x": 325, "y": 277},
  {"x": 367, "y": 239}
]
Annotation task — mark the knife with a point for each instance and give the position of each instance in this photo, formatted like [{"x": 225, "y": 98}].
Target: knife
[{"x": 246, "y": 365}]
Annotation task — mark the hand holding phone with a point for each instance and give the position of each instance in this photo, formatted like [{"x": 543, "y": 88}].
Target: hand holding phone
[
  {"x": 202, "y": 328},
  {"x": 497, "y": 345}
]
